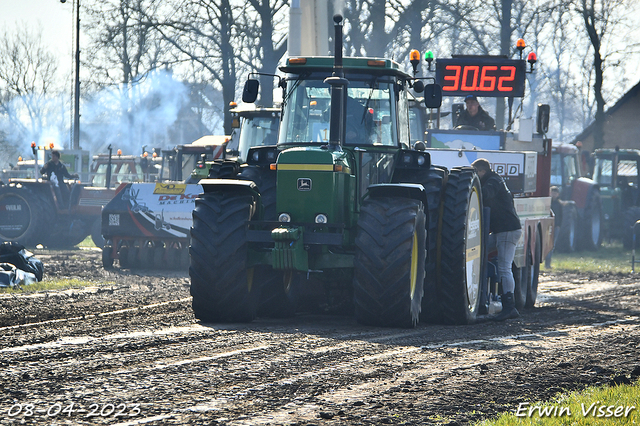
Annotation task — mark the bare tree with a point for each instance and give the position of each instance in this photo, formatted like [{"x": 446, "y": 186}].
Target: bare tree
[
  {"x": 29, "y": 95},
  {"x": 602, "y": 19}
]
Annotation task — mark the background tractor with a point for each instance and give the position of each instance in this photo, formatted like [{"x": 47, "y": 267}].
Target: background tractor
[
  {"x": 582, "y": 216},
  {"x": 616, "y": 173}
]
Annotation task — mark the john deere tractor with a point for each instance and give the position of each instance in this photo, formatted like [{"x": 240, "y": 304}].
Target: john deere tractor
[{"x": 342, "y": 208}]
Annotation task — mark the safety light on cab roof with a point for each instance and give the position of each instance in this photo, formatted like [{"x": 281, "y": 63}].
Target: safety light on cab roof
[
  {"x": 297, "y": 61},
  {"x": 520, "y": 44},
  {"x": 428, "y": 56},
  {"x": 532, "y": 59},
  {"x": 232, "y": 104},
  {"x": 119, "y": 152}
]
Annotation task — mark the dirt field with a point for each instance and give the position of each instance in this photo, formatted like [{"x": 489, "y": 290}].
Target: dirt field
[{"x": 129, "y": 351}]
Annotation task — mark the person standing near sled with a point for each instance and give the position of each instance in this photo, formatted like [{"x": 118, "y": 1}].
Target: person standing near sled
[{"x": 505, "y": 229}]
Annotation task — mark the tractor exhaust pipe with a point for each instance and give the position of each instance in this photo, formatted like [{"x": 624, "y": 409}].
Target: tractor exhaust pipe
[{"x": 338, "y": 84}]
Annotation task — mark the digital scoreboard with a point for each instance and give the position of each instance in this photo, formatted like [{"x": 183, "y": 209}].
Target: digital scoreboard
[{"x": 481, "y": 76}]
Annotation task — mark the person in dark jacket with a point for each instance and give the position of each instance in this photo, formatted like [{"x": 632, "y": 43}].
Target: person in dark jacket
[
  {"x": 56, "y": 172},
  {"x": 504, "y": 225},
  {"x": 475, "y": 116}
]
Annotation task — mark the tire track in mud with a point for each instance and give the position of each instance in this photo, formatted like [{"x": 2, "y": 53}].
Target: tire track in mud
[
  {"x": 357, "y": 369},
  {"x": 291, "y": 371}
]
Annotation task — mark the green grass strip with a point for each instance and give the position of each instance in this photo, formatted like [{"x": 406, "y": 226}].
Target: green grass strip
[
  {"x": 601, "y": 405},
  {"x": 610, "y": 258},
  {"x": 52, "y": 284}
]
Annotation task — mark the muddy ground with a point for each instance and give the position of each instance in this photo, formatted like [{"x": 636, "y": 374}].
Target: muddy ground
[{"x": 129, "y": 351}]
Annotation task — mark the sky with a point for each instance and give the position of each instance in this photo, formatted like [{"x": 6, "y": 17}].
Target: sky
[{"x": 55, "y": 18}]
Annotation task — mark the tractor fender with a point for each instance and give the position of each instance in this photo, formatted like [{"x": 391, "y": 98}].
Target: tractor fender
[
  {"x": 236, "y": 186},
  {"x": 414, "y": 191},
  {"x": 583, "y": 189}
]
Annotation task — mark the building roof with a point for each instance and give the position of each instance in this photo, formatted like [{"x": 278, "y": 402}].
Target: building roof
[{"x": 626, "y": 97}]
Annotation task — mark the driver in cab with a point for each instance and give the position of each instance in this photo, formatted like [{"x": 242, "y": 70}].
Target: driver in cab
[{"x": 475, "y": 116}]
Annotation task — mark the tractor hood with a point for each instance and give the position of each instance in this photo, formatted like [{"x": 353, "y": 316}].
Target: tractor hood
[{"x": 314, "y": 185}]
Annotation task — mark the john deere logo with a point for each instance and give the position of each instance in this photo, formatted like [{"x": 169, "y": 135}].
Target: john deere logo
[{"x": 304, "y": 184}]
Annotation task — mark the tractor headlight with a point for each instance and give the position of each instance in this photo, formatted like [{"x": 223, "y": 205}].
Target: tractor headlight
[
  {"x": 421, "y": 160},
  {"x": 406, "y": 158},
  {"x": 284, "y": 217},
  {"x": 256, "y": 156},
  {"x": 321, "y": 218}
]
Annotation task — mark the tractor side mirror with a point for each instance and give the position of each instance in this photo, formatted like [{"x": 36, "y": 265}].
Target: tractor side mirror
[
  {"x": 432, "y": 95},
  {"x": 250, "y": 92},
  {"x": 542, "y": 122}
]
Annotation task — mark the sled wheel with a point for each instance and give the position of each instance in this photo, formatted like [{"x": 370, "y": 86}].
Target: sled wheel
[
  {"x": 132, "y": 258},
  {"x": 145, "y": 256},
  {"x": 158, "y": 257},
  {"x": 461, "y": 248},
  {"x": 567, "y": 236},
  {"x": 534, "y": 271},
  {"x": 276, "y": 299},
  {"x": 185, "y": 260},
  {"x": 107, "y": 260},
  {"x": 221, "y": 284},
  {"x": 389, "y": 262},
  {"x": 123, "y": 257}
]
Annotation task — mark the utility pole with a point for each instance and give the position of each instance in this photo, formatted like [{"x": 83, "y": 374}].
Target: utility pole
[
  {"x": 76, "y": 100},
  {"x": 76, "y": 91}
]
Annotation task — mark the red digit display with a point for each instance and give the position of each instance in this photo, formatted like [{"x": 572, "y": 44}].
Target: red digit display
[
  {"x": 488, "y": 78},
  {"x": 505, "y": 82},
  {"x": 454, "y": 79},
  {"x": 482, "y": 76},
  {"x": 470, "y": 78}
]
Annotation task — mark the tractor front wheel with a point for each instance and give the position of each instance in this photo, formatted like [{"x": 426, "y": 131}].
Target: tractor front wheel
[
  {"x": 221, "y": 284},
  {"x": 389, "y": 262}
]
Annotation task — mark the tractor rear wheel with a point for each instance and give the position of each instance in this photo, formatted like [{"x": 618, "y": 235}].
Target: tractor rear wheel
[
  {"x": 461, "y": 267},
  {"x": 567, "y": 242},
  {"x": 221, "y": 284},
  {"x": 265, "y": 180},
  {"x": 96, "y": 233},
  {"x": 22, "y": 216},
  {"x": 433, "y": 187},
  {"x": 389, "y": 262},
  {"x": 590, "y": 227},
  {"x": 533, "y": 263},
  {"x": 521, "y": 278}
]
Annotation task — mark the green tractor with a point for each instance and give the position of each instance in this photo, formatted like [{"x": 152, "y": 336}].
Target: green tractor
[
  {"x": 256, "y": 126},
  {"x": 343, "y": 210},
  {"x": 616, "y": 173}
]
